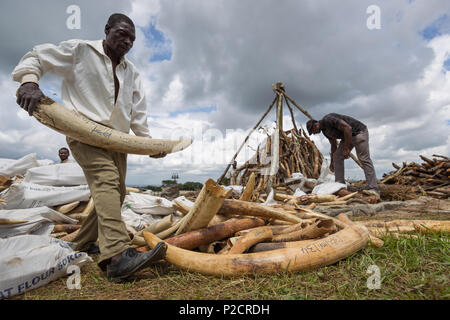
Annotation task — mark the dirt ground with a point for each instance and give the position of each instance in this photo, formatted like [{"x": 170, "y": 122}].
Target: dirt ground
[{"x": 420, "y": 208}]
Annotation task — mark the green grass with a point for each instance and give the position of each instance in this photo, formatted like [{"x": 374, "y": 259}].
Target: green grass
[{"x": 409, "y": 269}]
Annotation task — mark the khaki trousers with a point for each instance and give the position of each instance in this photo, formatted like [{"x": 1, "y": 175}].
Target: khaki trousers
[
  {"x": 361, "y": 144},
  {"x": 105, "y": 173}
]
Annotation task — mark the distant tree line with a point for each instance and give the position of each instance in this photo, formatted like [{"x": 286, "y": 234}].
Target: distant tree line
[{"x": 187, "y": 186}]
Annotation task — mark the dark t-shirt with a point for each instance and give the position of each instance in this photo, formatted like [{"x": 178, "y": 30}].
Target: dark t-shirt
[{"x": 330, "y": 125}]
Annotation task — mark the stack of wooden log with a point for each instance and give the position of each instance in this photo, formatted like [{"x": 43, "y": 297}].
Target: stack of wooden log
[
  {"x": 297, "y": 153},
  {"x": 431, "y": 177}
]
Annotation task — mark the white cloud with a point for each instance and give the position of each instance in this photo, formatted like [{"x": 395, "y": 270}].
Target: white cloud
[{"x": 228, "y": 54}]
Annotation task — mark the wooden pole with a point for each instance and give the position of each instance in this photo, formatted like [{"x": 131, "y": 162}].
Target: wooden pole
[
  {"x": 298, "y": 107},
  {"x": 275, "y": 160},
  {"x": 291, "y": 112},
  {"x": 245, "y": 140}
]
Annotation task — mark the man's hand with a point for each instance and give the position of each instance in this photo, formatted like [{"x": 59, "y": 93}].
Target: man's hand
[
  {"x": 28, "y": 96},
  {"x": 346, "y": 153},
  {"x": 159, "y": 155}
]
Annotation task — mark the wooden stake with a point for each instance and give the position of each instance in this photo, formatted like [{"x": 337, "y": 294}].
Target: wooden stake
[
  {"x": 245, "y": 140},
  {"x": 275, "y": 161}
]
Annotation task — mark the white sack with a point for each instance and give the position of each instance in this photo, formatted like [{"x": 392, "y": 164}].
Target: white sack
[
  {"x": 328, "y": 188},
  {"x": 29, "y": 195},
  {"x": 300, "y": 185},
  {"x": 10, "y": 168},
  {"x": 40, "y": 221},
  {"x": 146, "y": 203},
  {"x": 270, "y": 200},
  {"x": 299, "y": 192},
  {"x": 137, "y": 221},
  {"x": 326, "y": 175},
  {"x": 185, "y": 201},
  {"x": 62, "y": 174},
  {"x": 236, "y": 190},
  {"x": 45, "y": 162},
  {"x": 29, "y": 261}
]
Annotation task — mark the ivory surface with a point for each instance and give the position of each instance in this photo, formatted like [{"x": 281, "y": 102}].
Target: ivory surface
[
  {"x": 205, "y": 207},
  {"x": 196, "y": 238},
  {"x": 238, "y": 207},
  {"x": 72, "y": 124}
]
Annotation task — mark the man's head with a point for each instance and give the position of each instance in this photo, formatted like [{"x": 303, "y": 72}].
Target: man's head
[
  {"x": 63, "y": 153},
  {"x": 313, "y": 126},
  {"x": 120, "y": 34}
]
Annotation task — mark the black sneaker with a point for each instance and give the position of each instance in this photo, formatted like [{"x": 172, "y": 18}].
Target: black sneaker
[{"x": 133, "y": 260}]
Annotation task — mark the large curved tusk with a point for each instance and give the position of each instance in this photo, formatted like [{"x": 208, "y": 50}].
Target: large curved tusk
[
  {"x": 76, "y": 126},
  {"x": 319, "y": 253}
]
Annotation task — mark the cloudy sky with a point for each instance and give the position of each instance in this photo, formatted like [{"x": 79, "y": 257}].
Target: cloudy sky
[{"x": 209, "y": 65}]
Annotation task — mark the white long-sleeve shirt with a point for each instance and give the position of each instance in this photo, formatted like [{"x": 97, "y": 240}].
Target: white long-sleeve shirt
[{"x": 88, "y": 83}]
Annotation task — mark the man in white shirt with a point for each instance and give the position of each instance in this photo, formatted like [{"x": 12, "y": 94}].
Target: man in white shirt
[{"x": 103, "y": 85}]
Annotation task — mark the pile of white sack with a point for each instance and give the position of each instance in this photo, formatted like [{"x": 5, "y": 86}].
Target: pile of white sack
[{"x": 42, "y": 207}]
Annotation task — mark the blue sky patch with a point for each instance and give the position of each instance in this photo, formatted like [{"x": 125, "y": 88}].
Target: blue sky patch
[
  {"x": 157, "y": 41},
  {"x": 194, "y": 110},
  {"x": 437, "y": 28},
  {"x": 447, "y": 64}
]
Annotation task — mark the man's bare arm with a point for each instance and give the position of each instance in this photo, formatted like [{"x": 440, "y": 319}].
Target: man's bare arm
[
  {"x": 333, "y": 144},
  {"x": 347, "y": 130}
]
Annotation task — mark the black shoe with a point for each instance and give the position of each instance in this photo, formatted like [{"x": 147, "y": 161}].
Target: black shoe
[{"x": 133, "y": 260}]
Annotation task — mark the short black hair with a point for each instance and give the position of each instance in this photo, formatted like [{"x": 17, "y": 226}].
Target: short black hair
[
  {"x": 309, "y": 125},
  {"x": 118, "y": 18},
  {"x": 64, "y": 148}
]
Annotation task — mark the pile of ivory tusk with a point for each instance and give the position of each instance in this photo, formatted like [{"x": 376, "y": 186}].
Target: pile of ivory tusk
[{"x": 224, "y": 237}]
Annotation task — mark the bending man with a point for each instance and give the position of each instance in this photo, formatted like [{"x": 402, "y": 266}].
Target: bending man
[{"x": 352, "y": 133}]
